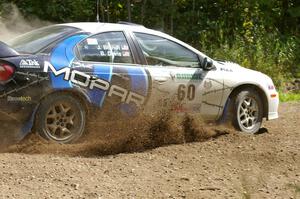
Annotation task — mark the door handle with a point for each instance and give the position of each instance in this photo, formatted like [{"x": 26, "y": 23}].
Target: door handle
[
  {"x": 161, "y": 79},
  {"x": 121, "y": 76}
]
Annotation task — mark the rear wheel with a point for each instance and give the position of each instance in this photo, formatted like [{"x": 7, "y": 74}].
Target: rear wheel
[
  {"x": 248, "y": 111},
  {"x": 61, "y": 118}
]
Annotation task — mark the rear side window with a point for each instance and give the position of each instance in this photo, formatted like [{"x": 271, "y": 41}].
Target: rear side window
[
  {"x": 111, "y": 47},
  {"x": 34, "y": 41}
]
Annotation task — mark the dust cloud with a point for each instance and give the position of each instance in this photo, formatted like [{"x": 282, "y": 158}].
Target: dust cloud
[
  {"x": 125, "y": 136},
  {"x": 13, "y": 23}
]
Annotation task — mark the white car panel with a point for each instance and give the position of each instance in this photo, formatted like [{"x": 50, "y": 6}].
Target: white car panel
[{"x": 212, "y": 91}]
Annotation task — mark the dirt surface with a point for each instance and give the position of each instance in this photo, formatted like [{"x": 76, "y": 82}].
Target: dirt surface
[{"x": 218, "y": 163}]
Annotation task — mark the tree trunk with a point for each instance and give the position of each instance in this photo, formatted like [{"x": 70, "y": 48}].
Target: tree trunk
[
  {"x": 172, "y": 17},
  {"x": 143, "y": 11},
  {"x": 129, "y": 10},
  {"x": 284, "y": 15},
  {"x": 102, "y": 11},
  {"x": 107, "y": 10}
]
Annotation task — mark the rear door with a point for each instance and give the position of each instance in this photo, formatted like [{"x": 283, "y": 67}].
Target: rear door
[{"x": 118, "y": 83}]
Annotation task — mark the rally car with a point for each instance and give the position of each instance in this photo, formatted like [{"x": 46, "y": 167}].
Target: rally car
[{"x": 53, "y": 77}]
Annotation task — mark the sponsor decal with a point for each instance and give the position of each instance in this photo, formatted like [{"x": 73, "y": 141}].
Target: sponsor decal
[
  {"x": 92, "y": 41},
  {"x": 207, "y": 84},
  {"x": 92, "y": 82},
  {"x": 196, "y": 107},
  {"x": 172, "y": 76},
  {"x": 179, "y": 108},
  {"x": 226, "y": 70},
  {"x": 19, "y": 99},
  {"x": 189, "y": 76},
  {"x": 29, "y": 63}
]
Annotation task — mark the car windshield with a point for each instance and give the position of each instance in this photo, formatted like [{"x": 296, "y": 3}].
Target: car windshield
[{"x": 34, "y": 41}]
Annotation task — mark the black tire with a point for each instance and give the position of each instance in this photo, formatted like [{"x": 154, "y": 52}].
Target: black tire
[
  {"x": 61, "y": 118},
  {"x": 247, "y": 112}
]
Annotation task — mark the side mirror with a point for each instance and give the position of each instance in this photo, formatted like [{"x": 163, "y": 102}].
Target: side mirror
[{"x": 207, "y": 64}]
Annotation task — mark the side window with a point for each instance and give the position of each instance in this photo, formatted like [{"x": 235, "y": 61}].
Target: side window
[
  {"x": 160, "y": 51},
  {"x": 109, "y": 47}
]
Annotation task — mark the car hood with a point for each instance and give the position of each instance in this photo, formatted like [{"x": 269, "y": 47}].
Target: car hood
[
  {"x": 233, "y": 67},
  {"x": 245, "y": 73}
]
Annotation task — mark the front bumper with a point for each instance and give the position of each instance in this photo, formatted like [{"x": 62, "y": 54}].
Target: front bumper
[{"x": 273, "y": 105}]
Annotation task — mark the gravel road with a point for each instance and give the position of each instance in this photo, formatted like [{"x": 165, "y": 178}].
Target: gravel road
[{"x": 233, "y": 165}]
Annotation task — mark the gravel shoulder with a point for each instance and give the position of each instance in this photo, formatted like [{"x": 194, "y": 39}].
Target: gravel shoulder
[{"x": 234, "y": 165}]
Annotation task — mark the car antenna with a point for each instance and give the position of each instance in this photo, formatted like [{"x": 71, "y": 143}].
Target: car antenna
[{"x": 98, "y": 17}]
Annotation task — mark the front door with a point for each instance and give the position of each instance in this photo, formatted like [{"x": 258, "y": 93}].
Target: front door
[{"x": 178, "y": 79}]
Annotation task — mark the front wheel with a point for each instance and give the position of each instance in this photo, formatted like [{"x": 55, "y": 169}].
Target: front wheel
[
  {"x": 248, "y": 111},
  {"x": 61, "y": 118}
]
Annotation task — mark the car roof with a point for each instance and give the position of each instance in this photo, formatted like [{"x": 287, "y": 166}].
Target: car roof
[{"x": 96, "y": 27}]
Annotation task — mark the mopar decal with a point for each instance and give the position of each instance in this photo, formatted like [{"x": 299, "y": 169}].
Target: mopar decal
[{"x": 91, "y": 82}]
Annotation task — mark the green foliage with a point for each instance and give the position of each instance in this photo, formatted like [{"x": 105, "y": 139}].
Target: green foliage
[
  {"x": 267, "y": 54},
  {"x": 258, "y": 34},
  {"x": 285, "y": 97}
]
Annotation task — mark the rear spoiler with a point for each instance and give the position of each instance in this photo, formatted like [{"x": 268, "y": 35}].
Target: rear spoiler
[{"x": 7, "y": 51}]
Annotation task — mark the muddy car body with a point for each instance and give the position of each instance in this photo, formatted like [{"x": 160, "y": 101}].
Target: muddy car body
[{"x": 52, "y": 76}]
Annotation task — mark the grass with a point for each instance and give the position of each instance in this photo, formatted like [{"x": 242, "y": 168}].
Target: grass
[
  {"x": 286, "y": 97},
  {"x": 296, "y": 187}
]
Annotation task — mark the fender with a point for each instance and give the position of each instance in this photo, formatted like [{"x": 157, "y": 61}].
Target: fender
[{"x": 7, "y": 51}]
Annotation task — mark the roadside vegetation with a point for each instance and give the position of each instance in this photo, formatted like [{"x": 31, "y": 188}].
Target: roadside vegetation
[
  {"x": 292, "y": 96},
  {"x": 258, "y": 34}
]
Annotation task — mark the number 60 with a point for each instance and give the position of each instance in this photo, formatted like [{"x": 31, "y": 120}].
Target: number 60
[{"x": 186, "y": 92}]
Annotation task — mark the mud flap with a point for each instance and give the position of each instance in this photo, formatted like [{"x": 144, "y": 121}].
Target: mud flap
[
  {"x": 13, "y": 130},
  {"x": 225, "y": 114},
  {"x": 9, "y": 131}
]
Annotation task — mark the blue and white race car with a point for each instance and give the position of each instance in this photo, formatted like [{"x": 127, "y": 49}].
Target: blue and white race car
[{"x": 52, "y": 77}]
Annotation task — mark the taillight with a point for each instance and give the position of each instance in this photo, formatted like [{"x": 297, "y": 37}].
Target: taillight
[{"x": 6, "y": 72}]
